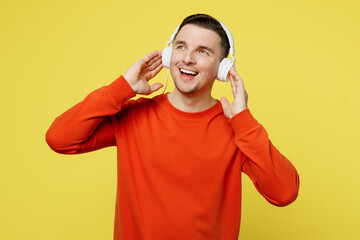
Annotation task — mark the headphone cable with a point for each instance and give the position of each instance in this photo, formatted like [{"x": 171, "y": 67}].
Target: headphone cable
[{"x": 167, "y": 76}]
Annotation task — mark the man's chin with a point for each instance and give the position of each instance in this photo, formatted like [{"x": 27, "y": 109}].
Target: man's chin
[{"x": 186, "y": 90}]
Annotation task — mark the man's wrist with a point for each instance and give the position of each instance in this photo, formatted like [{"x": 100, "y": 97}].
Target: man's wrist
[
  {"x": 131, "y": 84},
  {"x": 243, "y": 121},
  {"x": 237, "y": 112},
  {"x": 120, "y": 90}
]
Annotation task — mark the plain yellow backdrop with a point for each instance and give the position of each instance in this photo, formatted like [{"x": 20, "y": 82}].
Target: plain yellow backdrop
[{"x": 300, "y": 64}]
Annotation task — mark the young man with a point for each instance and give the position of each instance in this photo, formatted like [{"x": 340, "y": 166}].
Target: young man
[{"x": 181, "y": 154}]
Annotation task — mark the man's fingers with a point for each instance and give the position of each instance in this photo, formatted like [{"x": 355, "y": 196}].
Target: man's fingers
[
  {"x": 233, "y": 87},
  {"x": 237, "y": 79},
  {"x": 155, "y": 64},
  {"x": 237, "y": 82},
  {"x": 146, "y": 61},
  {"x": 152, "y": 73},
  {"x": 151, "y": 57},
  {"x": 153, "y": 61},
  {"x": 157, "y": 70},
  {"x": 233, "y": 72}
]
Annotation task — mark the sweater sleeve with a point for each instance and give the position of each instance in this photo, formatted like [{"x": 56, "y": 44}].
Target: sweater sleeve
[
  {"x": 273, "y": 175},
  {"x": 86, "y": 126}
]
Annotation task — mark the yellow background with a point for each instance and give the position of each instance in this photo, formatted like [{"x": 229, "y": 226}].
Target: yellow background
[{"x": 300, "y": 64}]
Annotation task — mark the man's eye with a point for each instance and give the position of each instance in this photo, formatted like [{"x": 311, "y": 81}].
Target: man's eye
[
  {"x": 180, "y": 47},
  {"x": 203, "y": 52}
]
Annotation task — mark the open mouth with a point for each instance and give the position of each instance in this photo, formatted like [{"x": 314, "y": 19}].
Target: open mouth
[{"x": 188, "y": 73}]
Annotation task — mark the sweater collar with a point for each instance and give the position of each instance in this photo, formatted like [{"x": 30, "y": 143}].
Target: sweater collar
[{"x": 191, "y": 115}]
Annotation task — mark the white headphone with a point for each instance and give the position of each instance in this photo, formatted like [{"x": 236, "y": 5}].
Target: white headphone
[{"x": 224, "y": 65}]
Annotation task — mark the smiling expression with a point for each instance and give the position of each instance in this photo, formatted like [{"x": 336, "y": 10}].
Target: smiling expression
[{"x": 195, "y": 59}]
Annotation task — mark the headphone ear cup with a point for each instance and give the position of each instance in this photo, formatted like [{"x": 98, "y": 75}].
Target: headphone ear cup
[
  {"x": 224, "y": 68},
  {"x": 166, "y": 56}
]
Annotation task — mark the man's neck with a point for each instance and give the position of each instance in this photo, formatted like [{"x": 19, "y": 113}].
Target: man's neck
[{"x": 191, "y": 103}]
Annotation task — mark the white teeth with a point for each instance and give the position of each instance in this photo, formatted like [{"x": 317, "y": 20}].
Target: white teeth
[{"x": 188, "y": 72}]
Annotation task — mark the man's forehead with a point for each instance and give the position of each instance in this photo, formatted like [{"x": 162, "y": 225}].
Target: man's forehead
[{"x": 196, "y": 35}]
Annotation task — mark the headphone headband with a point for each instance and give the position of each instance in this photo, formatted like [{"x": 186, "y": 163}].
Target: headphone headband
[{"x": 228, "y": 34}]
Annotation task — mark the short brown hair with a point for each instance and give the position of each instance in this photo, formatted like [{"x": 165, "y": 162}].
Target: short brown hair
[{"x": 208, "y": 22}]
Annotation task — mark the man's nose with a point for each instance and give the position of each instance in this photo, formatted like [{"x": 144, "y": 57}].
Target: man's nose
[{"x": 189, "y": 57}]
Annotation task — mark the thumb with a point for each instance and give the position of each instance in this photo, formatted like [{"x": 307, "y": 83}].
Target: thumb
[
  {"x": 156, "y": 86},
  {"x": 226, "y": 106}
]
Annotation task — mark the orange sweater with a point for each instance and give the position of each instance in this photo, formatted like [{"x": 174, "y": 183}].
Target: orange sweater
[{"x": 179, "y": 174}]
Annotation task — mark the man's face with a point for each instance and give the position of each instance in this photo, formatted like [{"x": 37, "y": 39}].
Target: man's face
[{"x": 195, "y": 59}]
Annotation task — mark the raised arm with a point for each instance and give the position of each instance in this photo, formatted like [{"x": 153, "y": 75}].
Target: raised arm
[
  {"x": 87, "y": 126},
  {"x": 272, "y": 173}
]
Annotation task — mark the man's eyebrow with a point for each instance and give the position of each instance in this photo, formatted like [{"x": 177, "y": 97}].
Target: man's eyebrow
[
  {"x": 179, "y": 42},
  {"x": 207, "y": 48}
]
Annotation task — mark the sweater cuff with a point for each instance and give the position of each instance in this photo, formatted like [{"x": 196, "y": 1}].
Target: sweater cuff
[
  {"x": 120, "y": 91},
  {"x": 242, "y": 122}
]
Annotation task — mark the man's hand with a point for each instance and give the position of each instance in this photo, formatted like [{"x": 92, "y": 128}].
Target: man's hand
[
  {"x": 239, "y": 93},
  {"x": 142, "y": 71}
]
